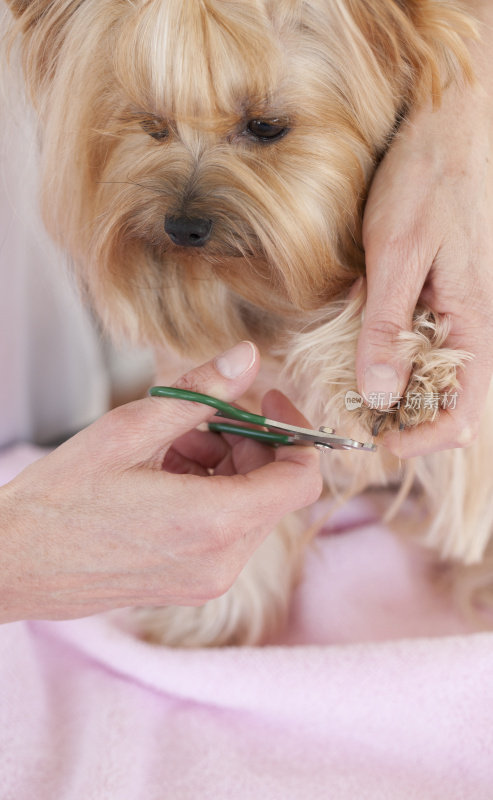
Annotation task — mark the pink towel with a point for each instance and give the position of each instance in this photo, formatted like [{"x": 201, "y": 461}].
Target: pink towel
[{"x": 376, "y": 691}]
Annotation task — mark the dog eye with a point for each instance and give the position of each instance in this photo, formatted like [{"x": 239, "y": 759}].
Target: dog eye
[
  {"x": 267, "y": 130},
  {"x": 155, "y": 127}
]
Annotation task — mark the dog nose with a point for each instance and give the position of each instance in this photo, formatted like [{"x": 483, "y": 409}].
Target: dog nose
[{"x": 188, "y": 231}]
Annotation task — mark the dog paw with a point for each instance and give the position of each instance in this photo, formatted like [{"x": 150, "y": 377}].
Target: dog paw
[{"x": 433, "y": 384}]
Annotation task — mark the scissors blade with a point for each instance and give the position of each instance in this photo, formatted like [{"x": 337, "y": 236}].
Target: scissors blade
[{"x": 322, "y": 438}]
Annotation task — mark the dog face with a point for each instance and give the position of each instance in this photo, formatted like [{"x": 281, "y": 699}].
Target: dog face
[{"x": 206, "y": 161}]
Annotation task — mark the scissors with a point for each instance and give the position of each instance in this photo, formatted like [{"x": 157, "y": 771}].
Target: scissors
[{"x": 278, "y": 433}]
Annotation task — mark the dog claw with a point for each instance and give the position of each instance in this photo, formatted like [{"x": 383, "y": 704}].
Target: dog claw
[{"x": 377, "y": 425}]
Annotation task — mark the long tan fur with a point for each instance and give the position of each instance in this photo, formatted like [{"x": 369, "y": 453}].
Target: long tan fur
[{"x": 144, "y": 109}]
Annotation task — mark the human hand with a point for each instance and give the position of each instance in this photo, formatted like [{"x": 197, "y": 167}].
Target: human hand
[
  {"x": 127, "y": 512},
  {"x": 428, "y": 235}
]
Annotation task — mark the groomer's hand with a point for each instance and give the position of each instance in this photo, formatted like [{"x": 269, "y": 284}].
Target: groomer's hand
[
  {"x": 131, "y": 511},
  {"x": 428, "y": 233}
]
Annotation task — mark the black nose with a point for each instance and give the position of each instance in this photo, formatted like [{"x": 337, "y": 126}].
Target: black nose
[{"x": 188, "y": 231}]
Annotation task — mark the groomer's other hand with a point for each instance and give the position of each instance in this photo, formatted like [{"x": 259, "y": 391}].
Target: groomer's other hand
[
  {"x": 120, "y": 515},
  {"x": 428, "y": 233}
]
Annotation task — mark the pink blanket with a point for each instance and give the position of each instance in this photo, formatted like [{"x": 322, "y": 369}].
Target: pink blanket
[{"x": 376, "y": 691}]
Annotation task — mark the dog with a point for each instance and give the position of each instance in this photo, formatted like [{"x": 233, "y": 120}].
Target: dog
[{"x": 206, "y": 164}]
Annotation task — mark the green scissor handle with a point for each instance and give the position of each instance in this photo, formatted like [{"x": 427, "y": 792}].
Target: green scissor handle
[
  {"x": 225, "y": 410},
  {"x": 276, "y": 433},
  {"x": 250, "y": 433}
]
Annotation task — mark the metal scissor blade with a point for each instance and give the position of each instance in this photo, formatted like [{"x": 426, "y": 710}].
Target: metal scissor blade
[
  {"x": 321, "y": 439},
  {"x": 325, "y": 438}
]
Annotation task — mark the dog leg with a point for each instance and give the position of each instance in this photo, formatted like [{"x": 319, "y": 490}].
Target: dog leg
[{"x": 453, "y": 486}]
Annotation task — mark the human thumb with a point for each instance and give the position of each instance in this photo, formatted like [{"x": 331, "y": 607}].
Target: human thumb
[
  {"x": 381, "y": 375},
  {"x": 143, "y": 430},
  {"x": 226, "y": 377}
]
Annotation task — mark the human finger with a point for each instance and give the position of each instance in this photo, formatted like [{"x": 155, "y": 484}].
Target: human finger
[
  {"x": 204, "y": 447},
  {"x": 458, "y": 421},
  {"x": 395, "y": 276},
  {"x": 140, "y": 433}
]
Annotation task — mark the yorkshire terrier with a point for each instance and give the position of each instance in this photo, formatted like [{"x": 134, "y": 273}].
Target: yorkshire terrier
[{"x": 206, "y": 163}]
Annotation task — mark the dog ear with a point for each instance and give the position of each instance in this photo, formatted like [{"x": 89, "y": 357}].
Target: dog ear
[
  {"x": 421, "y": 42},
  {"x": 28, "y": 12},
  {"x": 39, "y": 28},
  {"x": 18, "y": 6},
  {"x": 35, "y": 7}
]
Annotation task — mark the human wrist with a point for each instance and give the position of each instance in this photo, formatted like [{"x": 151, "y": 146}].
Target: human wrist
[
  {"x": 459, "y": 129},
  {"x": 478, "y": 101},
  {"x": 454, "y": 138},
  {"x": 14, "y": 524}
]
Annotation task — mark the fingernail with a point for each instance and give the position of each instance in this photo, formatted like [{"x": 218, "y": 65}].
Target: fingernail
[
  {"x": 236, "y": 361},
  {"x": 380, "y": 384}
]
